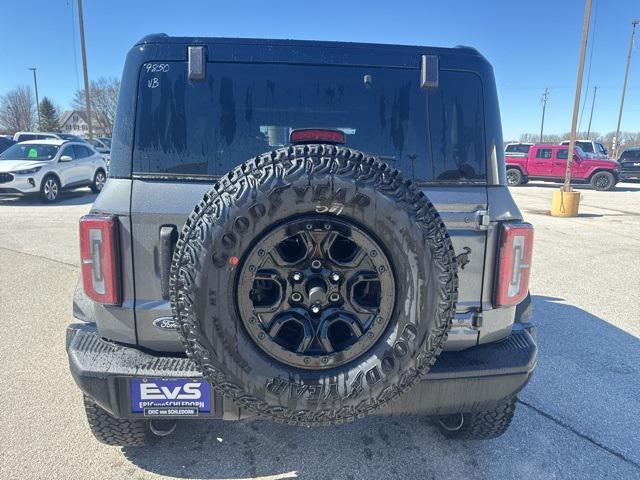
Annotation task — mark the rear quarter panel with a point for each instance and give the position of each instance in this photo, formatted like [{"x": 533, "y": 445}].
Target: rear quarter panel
[{"x": 520, "y": 162}]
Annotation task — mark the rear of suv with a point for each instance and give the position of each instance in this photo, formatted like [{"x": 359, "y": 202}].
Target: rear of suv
[
  {"x": 630, "y": 164},
  {"x": 305, "y": 232}
]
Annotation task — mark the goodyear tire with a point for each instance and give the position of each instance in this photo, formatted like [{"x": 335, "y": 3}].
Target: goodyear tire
[
  {"x": 120, "y": 432},
  {"x": 231, "y": 231},
  {"x": 478, "y": 425}
]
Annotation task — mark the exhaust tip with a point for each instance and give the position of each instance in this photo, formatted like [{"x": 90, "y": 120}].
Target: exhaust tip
[{"x": 162, "y": 428}]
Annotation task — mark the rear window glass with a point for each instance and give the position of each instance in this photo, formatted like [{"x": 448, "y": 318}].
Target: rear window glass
[
  {"x": 562, "y": 154},
  {"x": 585, "y": 146},
  {"x": 242, "y": 110},
  {"x": 517, "y": 148}
]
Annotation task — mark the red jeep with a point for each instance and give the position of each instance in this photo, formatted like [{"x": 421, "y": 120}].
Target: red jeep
[{"x": 549, "y": 162}]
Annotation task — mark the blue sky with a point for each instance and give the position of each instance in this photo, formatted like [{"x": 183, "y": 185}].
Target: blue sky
[{"x": 532, "y": 44}]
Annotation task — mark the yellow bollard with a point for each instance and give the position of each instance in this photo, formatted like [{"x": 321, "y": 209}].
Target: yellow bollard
[{"x": 565, "y": 204}]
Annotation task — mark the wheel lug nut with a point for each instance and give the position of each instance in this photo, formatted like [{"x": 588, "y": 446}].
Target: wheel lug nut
[
  {"x": 335, "y": 277},
  {"x": 315, "y": 309},
  {"x": 296, "y": 297},
  {"x": 316, "y": 264},
  {"x": 334, "y": 297},
  {"x": 297, "y": 276}
]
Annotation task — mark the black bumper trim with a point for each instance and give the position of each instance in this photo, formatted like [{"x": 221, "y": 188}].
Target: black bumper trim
[{"x": 467, "y": 380}]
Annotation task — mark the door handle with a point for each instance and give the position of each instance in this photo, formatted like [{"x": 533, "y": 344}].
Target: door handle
[{"x": 168, "y": 239}]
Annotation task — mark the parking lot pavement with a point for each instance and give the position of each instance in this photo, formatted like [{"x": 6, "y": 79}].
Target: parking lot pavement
[{"x": 578, "y": 418}]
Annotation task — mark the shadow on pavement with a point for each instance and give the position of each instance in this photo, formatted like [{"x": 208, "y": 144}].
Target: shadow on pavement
[
  {"x": 71, "y": 197},
  {"x": 580, "y": 215},
  {"x": 587, "y": 375},
  {"x": 579, "y": 419}
]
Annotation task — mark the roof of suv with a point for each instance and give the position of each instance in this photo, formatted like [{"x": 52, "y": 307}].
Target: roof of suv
[
  {"x": 47, "y": 141},
  {"x": 163, "y": 38}
]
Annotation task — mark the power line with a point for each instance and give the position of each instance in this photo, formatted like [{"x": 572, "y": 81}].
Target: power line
[
  {"x": 593, "y": 102},
  {"x": 593, "y": 41},
  {"x": 75, "y": 48},
  {"x": 616, "y": 143}
]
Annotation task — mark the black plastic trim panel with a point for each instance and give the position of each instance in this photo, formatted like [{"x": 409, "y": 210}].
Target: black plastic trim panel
[{"x": 467, "y": 380}]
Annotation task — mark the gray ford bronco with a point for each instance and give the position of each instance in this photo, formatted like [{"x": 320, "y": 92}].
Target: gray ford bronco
[{"x": 307, "y": 232}]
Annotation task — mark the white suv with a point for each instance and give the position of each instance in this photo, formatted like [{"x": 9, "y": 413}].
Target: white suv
[{"x": 47, "y": 167}]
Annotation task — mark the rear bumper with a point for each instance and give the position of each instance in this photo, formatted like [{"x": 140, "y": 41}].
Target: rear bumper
[{"x": 475, "y": 379}]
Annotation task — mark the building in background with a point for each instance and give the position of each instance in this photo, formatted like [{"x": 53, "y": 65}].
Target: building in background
[{"x": 75, "y": 123}]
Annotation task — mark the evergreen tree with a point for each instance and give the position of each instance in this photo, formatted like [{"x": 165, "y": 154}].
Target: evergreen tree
[{"x": 49, "y": 118}]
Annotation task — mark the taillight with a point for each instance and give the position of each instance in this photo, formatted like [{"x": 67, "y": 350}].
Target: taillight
[
  {"x": 311, "y": 135},
  {"x": 99, "y": 258},
  {"x": 514, "y": 267}
]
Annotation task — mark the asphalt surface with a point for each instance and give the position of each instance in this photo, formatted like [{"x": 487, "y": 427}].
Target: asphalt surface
[{"x": 578, "y": 418}]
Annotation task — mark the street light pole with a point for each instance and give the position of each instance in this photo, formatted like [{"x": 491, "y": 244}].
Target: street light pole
[
  {"x": 84, "y": 68},
  {"x": 545, "y": 97},
  {"x": 616, "y": 145},
  {"x": 35, "y": 83},
  {"x": 576, "y": 102}
]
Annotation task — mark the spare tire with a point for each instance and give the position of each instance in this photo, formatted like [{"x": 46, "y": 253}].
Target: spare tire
[{"x": 313, "y": 284}]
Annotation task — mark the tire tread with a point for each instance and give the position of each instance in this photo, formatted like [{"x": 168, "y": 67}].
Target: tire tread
[{"x": 113, "y": 431}]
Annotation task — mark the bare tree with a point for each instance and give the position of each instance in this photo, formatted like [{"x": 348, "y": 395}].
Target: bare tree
[
  {"x": 535, "y": 138},
  {"x": 627, "y": 139},
  {"x": 18, "y": 110},
  {"x": 581, "y": 136},
  {"x": 104, "y": 100}
]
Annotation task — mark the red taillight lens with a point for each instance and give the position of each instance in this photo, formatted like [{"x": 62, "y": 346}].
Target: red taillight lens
[
  {"x": 99, "y": 257},
  {"x": 514, "y": 268},
  {"x": 310, "y": 135}
]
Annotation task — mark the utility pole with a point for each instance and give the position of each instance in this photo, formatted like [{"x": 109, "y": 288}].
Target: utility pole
[
  {"x": 545, "y": 97},
  {"x": 84, "y": 68},
  {"x": 576, "y": 102},
  {"x": 593, "y": 102},
  {"x": 616, "y": 144},
  {"x": 35, "y": 83}
]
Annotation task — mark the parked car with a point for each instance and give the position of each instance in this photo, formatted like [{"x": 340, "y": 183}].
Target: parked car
[
  {"x": 518, "y": 149},
  {"x": 46, "y": 167},
  {"x": 549, "y": 163},
  {"x": 590, "y": 148},
  {"x": 99, "y": 144},
  {"x": 5, "y": 143},
  {"x": 630, "y": 164},
  {"x": 270, "y": 268},
  {"x": 103, "y": 146},
  {"x": 28, "y": 136}
]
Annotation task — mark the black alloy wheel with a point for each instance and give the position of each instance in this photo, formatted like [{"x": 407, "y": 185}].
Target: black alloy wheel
[{"x": 316, "y": 292}]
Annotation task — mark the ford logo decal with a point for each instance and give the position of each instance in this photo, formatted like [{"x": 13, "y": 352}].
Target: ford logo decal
[{"x": 165, "y": 323}]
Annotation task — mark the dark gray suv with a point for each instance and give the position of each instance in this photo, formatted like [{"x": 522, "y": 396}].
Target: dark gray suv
[{"x": 308, "y": 232}]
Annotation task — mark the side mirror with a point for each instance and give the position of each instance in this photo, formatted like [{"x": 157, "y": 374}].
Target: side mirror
[
  {"x": 65, "y": 158},
  {"x": 576, "y": 158}
]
